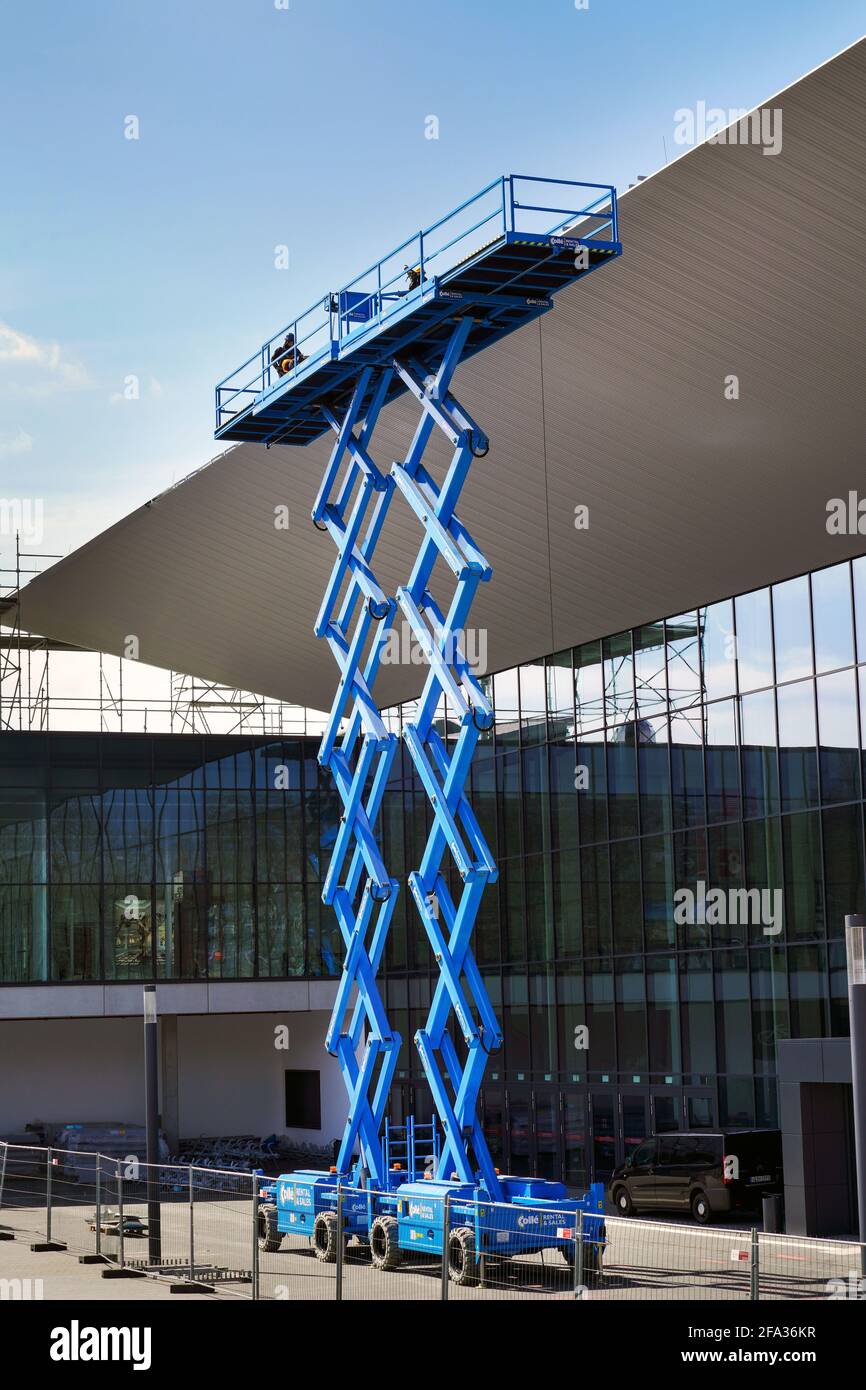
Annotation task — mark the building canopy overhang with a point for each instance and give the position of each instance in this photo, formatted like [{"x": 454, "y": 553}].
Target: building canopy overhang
[{"x": 669, "y": 435}]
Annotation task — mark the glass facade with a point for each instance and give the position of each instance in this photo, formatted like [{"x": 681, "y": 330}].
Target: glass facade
[
  {"x": 677, "y": 814},
  {"x": 124, "y": 857},
  {"x": 713, "y": 756}
]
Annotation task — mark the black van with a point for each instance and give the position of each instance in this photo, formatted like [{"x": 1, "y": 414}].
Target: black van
[{"x": 706, "y": 1172}]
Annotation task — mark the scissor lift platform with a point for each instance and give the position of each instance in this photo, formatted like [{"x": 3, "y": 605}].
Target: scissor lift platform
[{"x": 534, "y": 247}]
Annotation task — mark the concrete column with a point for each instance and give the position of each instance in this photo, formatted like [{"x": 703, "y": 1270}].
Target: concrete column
[
  {"x": 170, "y": 1088},
  {"x": 855, "y": 936}
]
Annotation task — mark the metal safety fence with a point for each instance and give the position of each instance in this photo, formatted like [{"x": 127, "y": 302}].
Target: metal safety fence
[{"x": 205, "y": 1229}]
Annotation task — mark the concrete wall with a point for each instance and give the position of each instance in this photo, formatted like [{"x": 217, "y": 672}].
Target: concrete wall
[
  {"x": 225, "y": 1071},
  {"x": 230, "y": 1066},
  {"x": 817, "y": 1136},
  {"x": 70, "y": 1069}
]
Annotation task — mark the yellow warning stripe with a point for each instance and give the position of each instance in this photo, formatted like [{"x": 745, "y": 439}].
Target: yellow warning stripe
[{"x": 524, "y": 241}]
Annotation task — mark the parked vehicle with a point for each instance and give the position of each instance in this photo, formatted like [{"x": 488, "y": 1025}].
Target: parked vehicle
[{"x": 708, "y": 1173}]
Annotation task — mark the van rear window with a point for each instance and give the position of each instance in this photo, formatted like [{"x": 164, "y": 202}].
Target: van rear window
[{"x": 697, "y": 1150}]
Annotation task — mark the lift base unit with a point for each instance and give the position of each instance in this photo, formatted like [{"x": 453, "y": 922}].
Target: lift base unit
[
  {"x": 410, "y": 1152},
  {"x": 534, "y": 1215}
]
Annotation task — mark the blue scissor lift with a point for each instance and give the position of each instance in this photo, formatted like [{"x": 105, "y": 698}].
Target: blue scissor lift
[{"x": 404, "y": 325}]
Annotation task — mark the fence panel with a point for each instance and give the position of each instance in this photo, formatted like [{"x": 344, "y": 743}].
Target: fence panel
[
  {"x": 376, "y": 1268},
  {"x": 213, "y": 1230},
  {"x": 76, "y": 1193},
  {"x": 793, "y": 1267},
  {"x": 666, "y": 1260},
  {"x": 24, "y": 1191},
  {"x": 505, "y": 1251},
  {"x": 287, "y": 1265}
]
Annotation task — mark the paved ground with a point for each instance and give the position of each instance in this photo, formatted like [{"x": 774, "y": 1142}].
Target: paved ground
[
  {"x": 59, "y": 1276},
  {"x": 654, "y": 1259}
]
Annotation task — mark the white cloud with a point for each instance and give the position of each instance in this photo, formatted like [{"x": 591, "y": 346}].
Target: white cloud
[
  {"x": 12, "y": 445},
  {"x": 44, "y": 365}
]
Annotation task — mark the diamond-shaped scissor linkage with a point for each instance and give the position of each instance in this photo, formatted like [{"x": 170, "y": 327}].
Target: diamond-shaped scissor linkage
[
  {"x": 449, "y": 923},
  {"x": 355, "y": 618}
]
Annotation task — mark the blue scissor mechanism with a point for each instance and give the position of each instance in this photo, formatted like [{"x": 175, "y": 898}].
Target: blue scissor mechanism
[
  {"x": 449, "y": 924},
  {"x": 392, "y": 331},
  {"x": 354, "y": 618}
]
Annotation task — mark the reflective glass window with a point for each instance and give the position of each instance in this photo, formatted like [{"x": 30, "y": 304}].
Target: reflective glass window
[
  {"x": 631, "y": 1017},
  {"x": 723, "y": 769},
  {"x": 792, "y": 627},
  {"x": 595, "y": 899},
  {"x": 649, "y": 669},
  {"x": 627, "y": 909},
  {"x": 663, "y": 1015},
  {"x": 687, "y": 768},
  {"x": 618, "y": 678},
  {"x": 533, "y": 702},
  {"x": 804, "y": 877},
  {"x": 658, "y": 890},
  {"x": 859, "y": 568},
  {"x": 697, "y": 1012},
  {"x": 654, "y": 775},
  {"x": 588, "y": 687},
  {"x": 807, "y": 973},
  {"x": 843, "y": 864},
  {"x": 559, "y": 678},
  {"x": 838, "y": 730},
  {"x": 683, "y": 637},
  {"x": 754, "y": 640},
  {"x": 622, "y": 781},
  {"x": 760, "y": 764},
  {"x": 798, "y": 761},
  {"x": 832, "y": 618},
  {"x": 719, "y": 650},
  {"x": 733, "y": 1013}
]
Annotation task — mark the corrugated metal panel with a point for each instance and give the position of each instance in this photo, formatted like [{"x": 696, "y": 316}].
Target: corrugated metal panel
[{"x": 734, "y": 262}]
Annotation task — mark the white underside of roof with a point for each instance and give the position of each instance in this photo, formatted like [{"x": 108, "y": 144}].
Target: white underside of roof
[{"x": 735, "y": 262}]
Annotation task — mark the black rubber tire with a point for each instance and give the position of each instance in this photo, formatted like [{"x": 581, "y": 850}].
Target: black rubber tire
[
  {"x": 324, "y": 1237},
  {"x": 702, "y": 1212},
  {"x": 384, "y": 1250},
  {"x": 592, "y": 1261},
  {"x": 462, "y": 1266},
  {"x": 623, "y": 1202},
  {"x": 270, "y": 1239}
]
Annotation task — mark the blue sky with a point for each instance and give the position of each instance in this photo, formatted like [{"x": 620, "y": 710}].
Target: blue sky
[{"x": 305, "y": 126}]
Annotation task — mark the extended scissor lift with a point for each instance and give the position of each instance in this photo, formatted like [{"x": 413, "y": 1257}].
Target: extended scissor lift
[{"x": 391, "y": 331}]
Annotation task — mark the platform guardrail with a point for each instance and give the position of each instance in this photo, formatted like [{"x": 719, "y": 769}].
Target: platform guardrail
[{"x": 513, "y": 203}]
